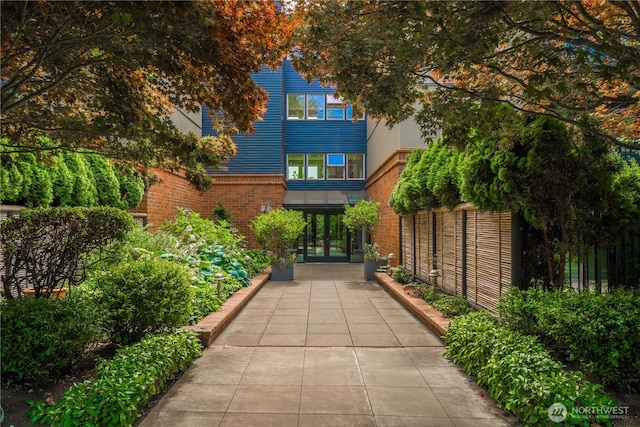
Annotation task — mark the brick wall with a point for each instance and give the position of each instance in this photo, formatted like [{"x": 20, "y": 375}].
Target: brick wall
[
  {"x": 240, "y": 195},
  {"x": 161, "y": 200},
  {"x": 379, "y": 186}
]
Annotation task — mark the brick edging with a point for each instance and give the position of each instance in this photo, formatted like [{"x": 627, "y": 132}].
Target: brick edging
[
  {"x": 433, "y": 318},
  {"x": 214, "y": 323}
]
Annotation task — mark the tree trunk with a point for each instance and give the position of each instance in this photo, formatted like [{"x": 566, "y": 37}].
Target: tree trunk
[{"x": 548, "y": 257}]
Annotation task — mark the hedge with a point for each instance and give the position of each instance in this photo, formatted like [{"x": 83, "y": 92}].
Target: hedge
[
  {"x": 67, "y": 179},
  {"x": 520, "y": 373},
  {"x": 599, "y": 332}
]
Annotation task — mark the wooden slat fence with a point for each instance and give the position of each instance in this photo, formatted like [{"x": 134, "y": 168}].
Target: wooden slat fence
[{"x": 473, "y": 251}]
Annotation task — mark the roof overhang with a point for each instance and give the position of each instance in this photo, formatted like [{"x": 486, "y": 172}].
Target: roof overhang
[{"x": 322, "y": 199}]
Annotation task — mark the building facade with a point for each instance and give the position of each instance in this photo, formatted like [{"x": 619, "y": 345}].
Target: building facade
[{"x": 309, "y": 153}]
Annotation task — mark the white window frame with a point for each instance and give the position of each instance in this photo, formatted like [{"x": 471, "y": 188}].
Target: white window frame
[
  {"x": 304, "y": 106},
  {"x": 318, "y": 96},
  {"x": 318, "y": 171},
  {"x": 343, "y": 166},
  {"x": 335, "y": 101},
  {"x": 364, "y": 165},
  {"x": 349, "y": 113},
  {"x": 304, "y": 167}
]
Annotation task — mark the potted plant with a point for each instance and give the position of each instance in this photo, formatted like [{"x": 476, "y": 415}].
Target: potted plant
[
  {"x": 277, "y": 231},
  {"x": 364, "y": 215}
]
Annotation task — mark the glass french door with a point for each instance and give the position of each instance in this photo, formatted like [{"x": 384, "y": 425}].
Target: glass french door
[{"x": 326, "y": 238}]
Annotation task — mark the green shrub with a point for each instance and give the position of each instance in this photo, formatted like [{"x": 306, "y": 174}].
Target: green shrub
[
  {"x": 202, "y": 260},
  {"x": 407, "y": 196},
  {"x": 106, "y": 181},
  {"x": 600, "y": 332},
  {"x": 62, "y": 180},
  {"x": 363, "y": 215},
  {"x": 67, "y": 179},
  {"x": 131, "y": 189},
  {"x": 43, "y": 339},
  {"x": 470, "y": 340},
  {"x": 520, "y": 373},
  {"x": 451, "y": 305},
  {"x": 10, "y": 183},
  {"x": 37, "y": 189},
  {"x": 84, "y": 185},
  {"x": 148, "y": 295},
  {"x": 259, "y": 260},
  {"x": 401, "y": 275},
  {"x": 205, "y": 300},
  {"x": 123, "y": 385},
  {"x": 220, "y": 213},
  {"x": 140, "y": 242},
  {"x": 278, "y": 230},
  {"x": 189, "y": 226}
]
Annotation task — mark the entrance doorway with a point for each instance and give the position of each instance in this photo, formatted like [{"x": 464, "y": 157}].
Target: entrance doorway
[{"x": 326, "y": 238}]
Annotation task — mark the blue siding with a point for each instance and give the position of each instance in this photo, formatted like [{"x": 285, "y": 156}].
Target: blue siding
[
  {"x": 320, "y": 136},
  {"x": 294, "y": 82},
  {"x": 265, "y": 151},
  {"x": 261, "y": 152}
]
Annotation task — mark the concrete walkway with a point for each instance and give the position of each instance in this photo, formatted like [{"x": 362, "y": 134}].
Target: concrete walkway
[{"x": 327, "y": 349}]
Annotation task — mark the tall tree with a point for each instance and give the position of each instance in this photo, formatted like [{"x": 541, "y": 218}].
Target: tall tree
[
  {"x": 104, "y": 76},
  {"x": 564, "y": 59}
]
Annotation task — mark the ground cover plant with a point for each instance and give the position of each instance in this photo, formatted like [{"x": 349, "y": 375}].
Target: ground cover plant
[
  {"x": 123, "y": 385},
  {"x": 520, "y": 373},
  {"x": 598, "y": 332},
  {"x": 449, "y": 305}
]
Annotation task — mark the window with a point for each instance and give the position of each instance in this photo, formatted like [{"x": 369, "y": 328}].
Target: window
[
  {"x": 350, "y": 113},
  {"x": 315, "y": 107},
  {"x": 318, "y": 107},
  {"x": 335, "y": 166},
  {"x": 335, "y": 108},
  {"x": 295, "y": 166},
  {"x": 355, "y": 166},
  {"x": 311, "y": 166},
  {"x": 315, "y": 166},
  {"x": 295, "y": 107}
]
